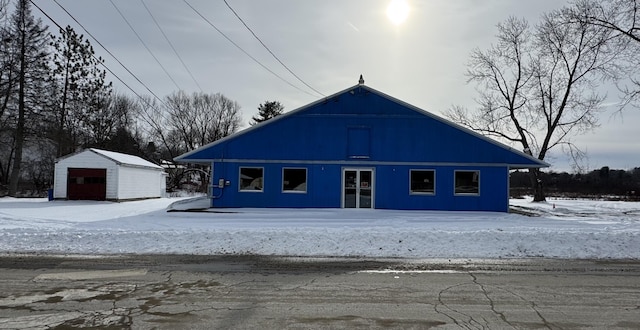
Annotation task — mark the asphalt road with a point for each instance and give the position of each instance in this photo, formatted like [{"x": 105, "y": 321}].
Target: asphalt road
[{"x": 214, "y": 292}]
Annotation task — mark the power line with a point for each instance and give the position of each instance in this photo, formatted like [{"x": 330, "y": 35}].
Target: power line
[
  {"x": 108, "y": 51},
  {"x": 110, "y": 71},
  {"x": 145, "y": 45},
  {"x": 147, "y": 118},
  {"x": 267, "y": 48},
  {"x": 171, "y": 44},
  {"x": 94, "y": 55},
  {"x": 144, "y": 100},
  {"x": 244, "y": 51}
]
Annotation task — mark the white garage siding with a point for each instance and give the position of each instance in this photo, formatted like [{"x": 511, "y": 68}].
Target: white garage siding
[
  {"x": 128, "y": 177},
  {"x": 137, "y": 183}
]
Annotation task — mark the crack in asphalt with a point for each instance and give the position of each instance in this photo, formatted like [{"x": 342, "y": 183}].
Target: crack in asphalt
[
  {"x": 534, "y": 306},
  {"x": 472, "y": 322},
  {"x": 116, "y": 316},
  {"x": 544, "y": 320},
  {"x": 303, "y": 285},
  {"x": 502, "y": 316},
  {"x": 441, "y": 302},
  {"x": 177, "y": 297}
]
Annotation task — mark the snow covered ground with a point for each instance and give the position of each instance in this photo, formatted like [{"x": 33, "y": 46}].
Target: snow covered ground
[{"x": 556, "y": 229}]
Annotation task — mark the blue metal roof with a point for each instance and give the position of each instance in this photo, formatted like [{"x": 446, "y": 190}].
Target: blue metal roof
[{"x": 365, "y": 125}]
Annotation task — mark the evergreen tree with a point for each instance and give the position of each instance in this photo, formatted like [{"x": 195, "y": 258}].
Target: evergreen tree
[
  {"x": 83, "y": 94},
  {"x": 29, "y": 38},
  {"x": 266, "y": 111}
]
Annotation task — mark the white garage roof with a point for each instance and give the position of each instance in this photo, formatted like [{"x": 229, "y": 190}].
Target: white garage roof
[{"x": 125, "y": 159}]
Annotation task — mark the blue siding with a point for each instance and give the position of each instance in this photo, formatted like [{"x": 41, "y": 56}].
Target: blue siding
[
  {"x": 358, "y": 142},
  {"x": 323, "y": 187},
  {"x": 397, "y": 134},
  {"x": 361, "y": 127},
  {"x": 391, "y": 188}
]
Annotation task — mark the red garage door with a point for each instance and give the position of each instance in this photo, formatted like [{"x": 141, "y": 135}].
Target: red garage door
[{"x": 87, "y": 184}]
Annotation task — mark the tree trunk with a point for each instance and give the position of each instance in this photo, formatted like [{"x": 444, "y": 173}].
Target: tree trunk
[
  {"x": 19, "y": 139},
  {"x": 19, "y": 143},
  {"x": 537, "y": 185}
]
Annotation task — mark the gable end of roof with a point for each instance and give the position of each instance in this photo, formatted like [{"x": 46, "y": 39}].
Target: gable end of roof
[{"x": 539, "y": 163}]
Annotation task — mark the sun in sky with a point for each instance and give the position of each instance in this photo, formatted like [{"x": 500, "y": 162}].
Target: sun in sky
[{"x": 398, "y": 11}]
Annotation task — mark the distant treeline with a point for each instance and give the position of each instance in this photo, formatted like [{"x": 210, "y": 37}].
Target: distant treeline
[{"x": 605, "y": 182}]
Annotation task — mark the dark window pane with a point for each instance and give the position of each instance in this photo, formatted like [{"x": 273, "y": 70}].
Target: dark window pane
[
  {"x": 294, "y": 179},
  {"x": 365, "y": 179},
  {"x": 251, "y": 178},
  {"x": 350, "y": 179},
  {"x": 467, "y": 182},
  {"x": 423, "y": 181}
]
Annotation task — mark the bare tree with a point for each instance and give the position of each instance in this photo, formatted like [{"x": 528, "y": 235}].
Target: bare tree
[
  {"x": 151, "y": 122},
  {"x": 195, "y": 120},
  {"x": 185, "y": 122},
  {"x": 110, "y": 114},
  {"x": 536, "y": 85},
  {"x": 502, "y": 74},
  {"x": 622, "y": 18}
]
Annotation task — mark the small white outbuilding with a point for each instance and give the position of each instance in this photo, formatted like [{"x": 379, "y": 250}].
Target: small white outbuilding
[{"x": 94, "y": 174}]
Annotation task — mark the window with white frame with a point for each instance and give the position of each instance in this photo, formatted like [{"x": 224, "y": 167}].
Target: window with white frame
[
  {"x": 422, "y": 182},
  {"x": 252, "y": 179},
  {"x": 294, "y": 180},
  {"x": 467, "y": 182}
]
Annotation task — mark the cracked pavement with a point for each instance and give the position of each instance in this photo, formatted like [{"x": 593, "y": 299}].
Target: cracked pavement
[{"x": 191, "y": 292}]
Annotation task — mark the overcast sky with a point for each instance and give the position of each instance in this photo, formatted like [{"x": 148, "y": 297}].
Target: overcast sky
[{"x": 327, "y": 44}]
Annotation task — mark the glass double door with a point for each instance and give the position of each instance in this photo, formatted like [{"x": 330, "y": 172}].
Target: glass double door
[{"x": 357, "y": 188}]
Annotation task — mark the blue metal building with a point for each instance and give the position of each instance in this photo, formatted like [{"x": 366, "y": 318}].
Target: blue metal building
[{"x": 360, "y": 148}]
